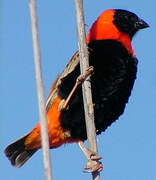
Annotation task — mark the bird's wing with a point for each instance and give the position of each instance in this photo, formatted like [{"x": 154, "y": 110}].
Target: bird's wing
[{"x": 68, "y": 69}]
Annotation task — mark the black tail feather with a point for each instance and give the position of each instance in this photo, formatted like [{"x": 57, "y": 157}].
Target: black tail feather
[{"x": 17, "y": 153}]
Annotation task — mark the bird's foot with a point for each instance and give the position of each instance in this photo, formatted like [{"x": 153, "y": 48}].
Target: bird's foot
[
  {"x": 64, "y": 104},
  {"x": 88, "y": 72},
  {"x": 93, "y": 164}
]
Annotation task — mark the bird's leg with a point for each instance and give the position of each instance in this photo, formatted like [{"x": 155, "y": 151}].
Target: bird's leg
[
  {"x": 93, "y": 164},
  {"x": 65, "y": 102}
]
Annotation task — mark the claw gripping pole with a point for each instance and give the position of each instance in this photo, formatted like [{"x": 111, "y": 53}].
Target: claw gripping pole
[
  {"x": 40, "y": 90},
  {"x": 86, "y": 86}
]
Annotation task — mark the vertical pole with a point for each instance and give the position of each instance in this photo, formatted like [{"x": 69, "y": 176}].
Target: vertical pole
[
  {"x": 86, "y": 86},
  {"x": 40, "y": 90}
]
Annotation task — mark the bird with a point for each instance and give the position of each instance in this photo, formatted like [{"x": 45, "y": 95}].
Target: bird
[{"x": 114, "y": 64}]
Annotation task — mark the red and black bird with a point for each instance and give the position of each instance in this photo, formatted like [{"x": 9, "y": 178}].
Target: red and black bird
[{"x": 115, "y": 67}]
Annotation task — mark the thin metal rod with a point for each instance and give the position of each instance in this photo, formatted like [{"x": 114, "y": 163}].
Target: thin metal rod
[
  {"x": 40, "y": 90},
  {"x": 86, "y": 86}
]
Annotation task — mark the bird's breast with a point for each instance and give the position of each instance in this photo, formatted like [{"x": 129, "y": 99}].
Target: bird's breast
[{"x": 112, "y": 82}]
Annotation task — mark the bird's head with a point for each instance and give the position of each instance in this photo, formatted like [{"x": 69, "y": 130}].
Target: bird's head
[
  {"x": 116, "y": 24},
  {"x": 128, "y": 22}
]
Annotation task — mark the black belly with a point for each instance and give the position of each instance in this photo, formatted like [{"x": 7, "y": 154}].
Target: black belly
[{"x": 112, "y": 82}]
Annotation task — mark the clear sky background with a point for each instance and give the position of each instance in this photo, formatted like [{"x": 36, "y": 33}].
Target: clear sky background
[{"x": 128, "y": 147}]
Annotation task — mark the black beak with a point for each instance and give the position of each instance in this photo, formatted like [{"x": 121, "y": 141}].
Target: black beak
[{"x": 140, "y": 24}]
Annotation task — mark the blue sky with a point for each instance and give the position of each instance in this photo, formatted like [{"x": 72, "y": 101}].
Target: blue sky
[{"x": 128, "y": 147}]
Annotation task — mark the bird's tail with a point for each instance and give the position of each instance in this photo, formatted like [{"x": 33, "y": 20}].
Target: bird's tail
[{"x": 17, "y": 152}]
